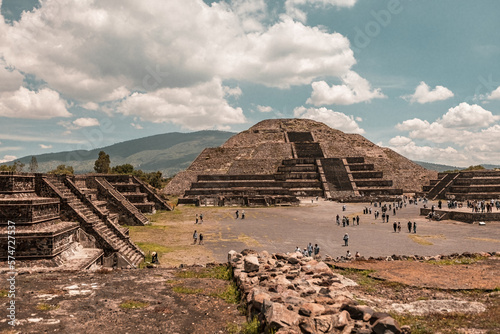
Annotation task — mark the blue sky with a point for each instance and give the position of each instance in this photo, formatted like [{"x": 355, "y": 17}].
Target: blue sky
[{"x": 421, "y": 77}]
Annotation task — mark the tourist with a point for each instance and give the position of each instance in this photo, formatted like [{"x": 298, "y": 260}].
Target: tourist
[
  {"x": 348, "y": 256},
  {"x": 409, "y": 226},
  {"x": 297, "y": 249},
  {"x": 243, "y": 214},
  {"x": 196, "y": 219},
  {"x": 154, "y": 257},
  {"x": 357, "y": 256},
  {"x": 399, "y": 227},
  {"x": 357, "y": 220},
  {"x": 310, "y": 249},
  {"x": 387, "y": 218},
  {"x": 304, "y": 252},
  {"x": 343, "y": 207},
  {"x": 201, "y": 218},
  {"x": 201, "y": 239},
  {"x": 237, "y": 213},
  {"x": 414, "y": 227},
  {"x": 395, "y": 226},
  {"x": 338, "y": 220},
  {"x": 195, "y": 237},
  {"x": 316, "y": 249},
  {"x": 346, "y": 239}
]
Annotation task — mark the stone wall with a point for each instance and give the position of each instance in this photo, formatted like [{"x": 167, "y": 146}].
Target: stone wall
[{"x": 290, "y": 294}]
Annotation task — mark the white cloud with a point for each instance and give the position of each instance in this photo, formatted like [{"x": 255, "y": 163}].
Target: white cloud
[
  {"x": 137, "y": 126},
  {"x": 448, "y": 155},
  {"x": 292, "y": 6},
  {"x": 354, "y": 90},
  {"x": 331, "y": 118},
  {"x": 466, "y": 115},
  {"x": 10, "y": 80},
  {"x": 264, "y": 108},
  {"x": 7, "y": 158},
  {"x": 495, "y": 95},
  {"x": 45, "y": 147},
  {"x": 180, "y": 44},
  {"x": 23, "y": 103},
  {"x": 424, "y": 94},
  {"x": 86, "y": 122},
  {"x": 49, "y": 139},
  {"x": 198, "y": 107},
  {"x": 90, "y": 106}
]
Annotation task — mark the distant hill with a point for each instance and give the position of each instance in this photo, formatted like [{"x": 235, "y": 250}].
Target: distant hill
[
  {"x": 442, "y": 168},
  {"x": 437, "y": 167},
  {"x": 168, "y": 153}
]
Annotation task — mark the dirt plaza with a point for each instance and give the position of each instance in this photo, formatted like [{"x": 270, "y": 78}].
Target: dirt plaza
[{"x": 282, "y": 229}]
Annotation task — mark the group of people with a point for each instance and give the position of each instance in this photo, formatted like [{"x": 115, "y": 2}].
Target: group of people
[
  {"x": 197, "y": 238},
  {"x": 237, "y": 213},
  {"x": 310, "y": 250},
  {"x": 397, "y": 227},
  {"x": 345, "y": 220},
  {"x": 199, "y": 219}
]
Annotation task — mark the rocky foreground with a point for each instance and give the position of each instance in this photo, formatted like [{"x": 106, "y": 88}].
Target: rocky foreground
[{"x": 295, "y": 294}]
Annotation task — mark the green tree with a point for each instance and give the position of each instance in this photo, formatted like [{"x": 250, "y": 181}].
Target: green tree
[
  {"x": 33, "y": 166},
  {"x": 123, "y": 169},
  {"x": 102, "y": 163},
  {"x": 63, "y": 169}
]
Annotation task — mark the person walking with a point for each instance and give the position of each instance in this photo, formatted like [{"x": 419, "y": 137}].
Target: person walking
[
  {"x": 196, "y": 222},
  {"x": 395, "y": 226},
  {"x": 195, "y": 237},
  {"x": 409, "y": 226},
  {"x": 237, "y": 213},
  {"x": 414, "y": 227},
  {"x": 243, "y": 214},
  {"x": 399, "y": 227},
  {"x": 346, "y": 239},
  {"x": 201, "y": 239}
]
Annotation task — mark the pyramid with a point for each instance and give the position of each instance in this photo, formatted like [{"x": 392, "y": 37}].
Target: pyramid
[{"x": 289, "y": 158}]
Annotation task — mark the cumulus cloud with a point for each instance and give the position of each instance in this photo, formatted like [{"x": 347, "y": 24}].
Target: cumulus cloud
[
  {"x": 7, "y": 158},
  {"x": 10, "y": 80},
  {"x": 198, "y": 107},
  {"x": 90, "y": 106},
  {"x": 424, "y": 94},
  {"x": 408, "y": 148},
  {"x": 264, "y": 108},
  {"x": 136, "y": 126},
  {"x": 469, "y": 130},
  {"x": 180, "y": 44},
  {"x": 85, "y": 122},
  {"x": 23, "y": 103},
  {"x": 331, "y": 118},
  {"x": 465, "y": 116},
  {"x": 354, "y": 90},
  {"x": 495, "y": 95},
  {"x": 45, "y": 147}
]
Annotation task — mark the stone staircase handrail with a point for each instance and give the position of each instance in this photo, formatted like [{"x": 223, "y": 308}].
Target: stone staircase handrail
[
  {"x": 104, "y": 184},
  {"x": 104, "y": 217},
  {"x": 157, "y": 198}
]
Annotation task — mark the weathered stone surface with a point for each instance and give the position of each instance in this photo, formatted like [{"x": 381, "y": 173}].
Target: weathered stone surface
[
  {"x": 386, "y": 325},
  {"x": 311, "y": 309},
  {"x": 277, "y": 316},
  {"x": 251, "y": 263}
]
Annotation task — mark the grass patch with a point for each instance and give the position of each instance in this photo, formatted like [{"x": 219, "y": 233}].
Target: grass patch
[
  {"x": 460, "y": 260},
  {"x": 362, "y": 278},
  {"x": 186, "y": 290},
  {"x": 252, "y": 327},
  {"x": 4, "y": 293},
  {"x": 133, "y": 304},
  {"x": 219, "y": 272},
  {"x": 46, "y": 307},
  {"x": 420, "y": 240},
  {"x": 230, "y": 295}
]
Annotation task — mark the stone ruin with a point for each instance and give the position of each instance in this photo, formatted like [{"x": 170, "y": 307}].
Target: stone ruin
[
  {"x": 293, "y": 294},
  {"x": 277, "y": 161},
  {"x": 467, "y": 185},
  {"x": 74, "y": 221}
]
